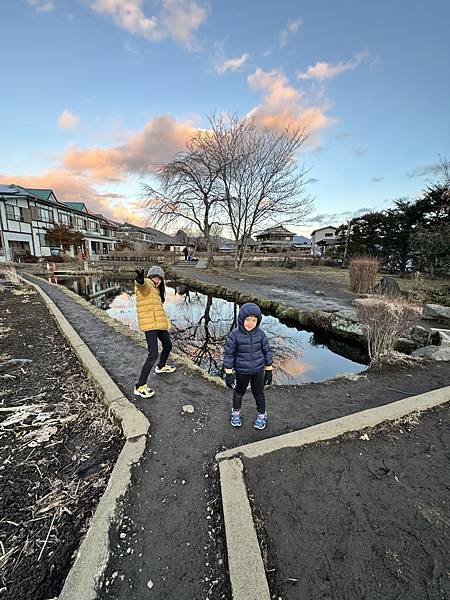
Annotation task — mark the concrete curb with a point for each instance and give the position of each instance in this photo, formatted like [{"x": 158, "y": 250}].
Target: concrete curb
[
  {"x": 247, "y": 574},
  {"x": 330, "y": 429},
  {"x": 85, "y": 575}
]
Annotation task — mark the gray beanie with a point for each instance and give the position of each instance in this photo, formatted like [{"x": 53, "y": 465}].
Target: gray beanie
[{"x": 155, "y": 270}]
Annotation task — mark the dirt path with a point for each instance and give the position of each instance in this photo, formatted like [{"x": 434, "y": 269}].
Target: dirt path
[
  {"x": 171, "y": 533},
  {"x": 293, "y": 287},
  {"x": 359, "y": 517}
]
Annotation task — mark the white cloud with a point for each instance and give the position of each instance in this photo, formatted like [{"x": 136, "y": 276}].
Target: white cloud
[
  {"x": 323, "y": 70},
  {"x": 284, "y": 105},
  {"x": 42, "y": 5},
  {"x": 291, "y": 28},
  {"x": 67, "y": 119},
  {"x": 230, "y": 64},
  {"x": 177, "y": 19}
]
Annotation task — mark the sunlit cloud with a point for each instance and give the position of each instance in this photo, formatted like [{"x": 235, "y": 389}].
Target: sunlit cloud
[
  {"x": 230, "y": 64},
  {"x": 160, "y": 139},
  {"x": 176, "y": 19},
  {"x": 67, "y": 119},
  {"x": 285, "y": 106},
  {"x": 322, "y": 71},
  {"x": 69, "y": 186}
]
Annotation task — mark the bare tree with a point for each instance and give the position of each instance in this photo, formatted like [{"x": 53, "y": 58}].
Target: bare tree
[
  {"x": 189, "y": 190},
  {"x": 262, "y": 184}
]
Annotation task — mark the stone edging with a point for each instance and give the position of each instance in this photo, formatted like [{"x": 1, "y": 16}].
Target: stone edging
[
  {"x": 90, "y": 562},
  {"x": 239, "y": 526}
]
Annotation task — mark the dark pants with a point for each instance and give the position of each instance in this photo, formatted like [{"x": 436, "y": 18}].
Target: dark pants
[
  {"x": 257, "y": 386},
  {"x": 152, "y": 343}
]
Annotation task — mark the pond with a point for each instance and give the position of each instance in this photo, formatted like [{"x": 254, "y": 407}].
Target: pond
[{"x": 201, "y": 324}]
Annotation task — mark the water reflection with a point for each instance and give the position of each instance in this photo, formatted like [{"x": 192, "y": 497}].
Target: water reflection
[{"x": 201, "y": 324}]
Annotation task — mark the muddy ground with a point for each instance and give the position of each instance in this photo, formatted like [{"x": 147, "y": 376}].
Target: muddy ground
[
  {"x": 57, "y": 449},
  {"x": 170, "y": 532},
  {"x": 362, "y": 516}
]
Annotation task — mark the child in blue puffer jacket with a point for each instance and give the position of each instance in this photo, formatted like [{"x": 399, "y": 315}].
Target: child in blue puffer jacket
[{"x": 248, "y": 359}]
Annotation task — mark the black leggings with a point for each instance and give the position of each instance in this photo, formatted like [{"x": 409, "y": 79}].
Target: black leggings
[
  {"x": 257, "y": 386},
  {"x": 152, "y": 343}
]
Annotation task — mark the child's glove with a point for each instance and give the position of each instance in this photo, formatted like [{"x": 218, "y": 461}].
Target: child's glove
[
  {"x": 139, "y": 276},
  {"x": 230, "y": 380},
  {"x": 268, "y": 375}
]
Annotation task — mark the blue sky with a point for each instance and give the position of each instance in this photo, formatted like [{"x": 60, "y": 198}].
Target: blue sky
[{"x": 97, "y": 92}]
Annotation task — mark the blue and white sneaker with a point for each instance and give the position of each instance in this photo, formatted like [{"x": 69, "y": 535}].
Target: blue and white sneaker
[
  {"x": 236, "y": 418},
  {"x": 260, "y": 421}
]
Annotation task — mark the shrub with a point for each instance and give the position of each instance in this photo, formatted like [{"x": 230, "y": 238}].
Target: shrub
[
  {"x": 384, "y": 322},
  {"x": 29, "y": 258},
  {"x": 363, "y": 272}
]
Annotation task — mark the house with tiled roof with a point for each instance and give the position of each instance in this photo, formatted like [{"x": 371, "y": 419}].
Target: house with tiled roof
[{"x": 28, "y": 214}]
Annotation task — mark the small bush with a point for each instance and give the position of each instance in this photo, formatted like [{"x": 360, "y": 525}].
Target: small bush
[
  {"x": 384, "y": 322},
  {"x": 30, "y": 258},
  {"x": 363, "y": 272}
]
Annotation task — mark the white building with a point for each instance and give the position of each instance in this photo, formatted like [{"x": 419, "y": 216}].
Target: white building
[
  {"x": 26, "y": 215},
  {"x": 321, "y": 238}
]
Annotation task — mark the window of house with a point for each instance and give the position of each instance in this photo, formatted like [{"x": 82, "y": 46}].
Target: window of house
[
  {"x": 64, "y": 218},
  {"x": 42, "y": 240},
  {"x": 13, "y": 213},
  {"x": 329, "y": 234},
  {"x": 45, "y": 214},
  {"x": 81, "y": 224}
]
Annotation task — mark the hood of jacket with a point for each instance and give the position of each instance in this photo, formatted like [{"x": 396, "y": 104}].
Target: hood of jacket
[{"x": 245, "y": 311}]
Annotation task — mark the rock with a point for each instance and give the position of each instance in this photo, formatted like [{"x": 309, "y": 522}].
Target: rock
[
  {"x": 407, "y": 345},
  {"x": 346, "y": 328},
  {"x": 366, "y": 301},
  {"x": 420, "y": 334},
  {"x": 440, "y": 337},
  {"x": 188, "y": 408},
  {"x": 319, "y": 293},
  {"x": 388, "y": 287},
  {"x": 347, "y": 313},
  {"x": 433, "y": 352},
  {"x": 436, "y": 312}
]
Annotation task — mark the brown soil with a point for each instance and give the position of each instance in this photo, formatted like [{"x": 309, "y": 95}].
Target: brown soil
[
  {"x": 360, "y": 516},
  {"x": 57, "y": 448}
]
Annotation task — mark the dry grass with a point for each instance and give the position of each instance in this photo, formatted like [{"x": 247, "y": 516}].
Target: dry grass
[
  {"x": 11, "y": 275},
  {"x": 385, "y": 321},
  {"x": 363, "y": 274}
]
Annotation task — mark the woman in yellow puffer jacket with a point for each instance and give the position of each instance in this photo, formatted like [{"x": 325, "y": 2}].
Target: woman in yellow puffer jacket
[{"x": 153, "y": 321}]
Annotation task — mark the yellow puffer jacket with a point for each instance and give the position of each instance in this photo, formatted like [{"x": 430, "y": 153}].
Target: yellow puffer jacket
[{"x": 150, "y": 310}]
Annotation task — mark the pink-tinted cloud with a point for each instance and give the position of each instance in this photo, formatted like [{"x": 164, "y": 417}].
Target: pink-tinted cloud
[
  {"x": 68, "y": 119},
  {"x": 143, "y": 153},
  {"x": 178, "y": 19},
  {"x": 323, "y": 70},
  {"x": 285, "y": 106},
  {"x": 230, "y": 64},
  {"x": 68, "y": 186}
]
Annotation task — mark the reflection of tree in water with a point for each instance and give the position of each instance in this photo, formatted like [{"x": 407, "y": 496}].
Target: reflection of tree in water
[
  {"x": 338, "y": 346},
  {"x": 288, "y": 360},
  {"x": 203, "y": 340}
]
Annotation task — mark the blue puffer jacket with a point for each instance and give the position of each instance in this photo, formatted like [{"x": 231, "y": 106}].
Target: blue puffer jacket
[{"x": 247, "y": 351}]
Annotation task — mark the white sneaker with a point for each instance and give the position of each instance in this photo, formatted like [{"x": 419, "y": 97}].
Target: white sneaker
[
  {"x": 165, "y": 369},
  {"x": 144, "y": 391}
]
